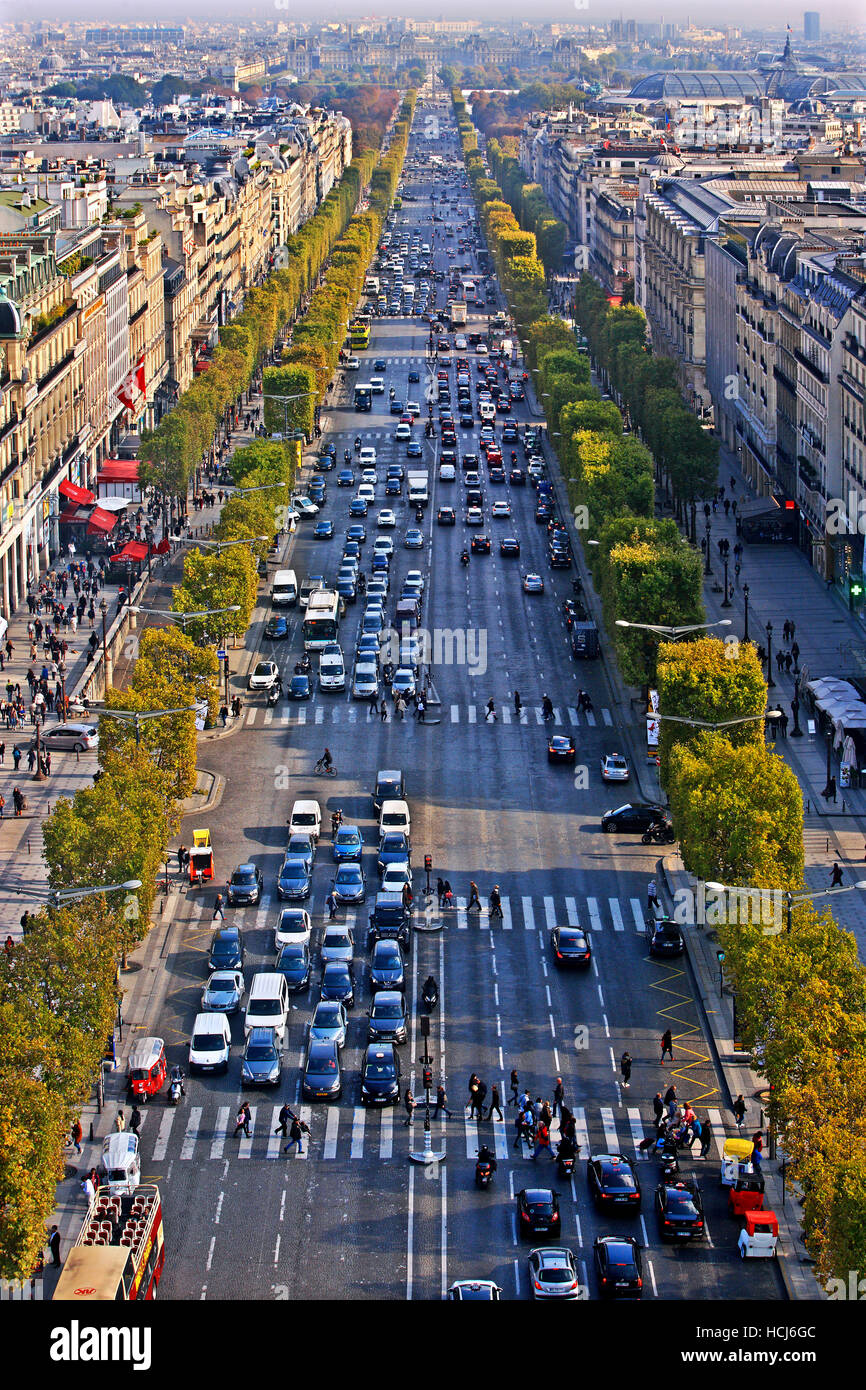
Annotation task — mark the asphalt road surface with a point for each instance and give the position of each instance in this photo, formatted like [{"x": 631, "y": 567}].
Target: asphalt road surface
[{"x": 353, "y": 1218}]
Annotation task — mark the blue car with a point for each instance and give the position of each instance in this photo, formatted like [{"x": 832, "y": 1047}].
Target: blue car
[
  {"x": 393, "y": 487},
  {"x": 316, "y": 492},
  {"x": 414, "y": 539},
  {"x": 413, "y": 376},
  {"x": 357, "y": 533},
  {"x": 299, "y": 688},
  {"x": 413, "y": 449},
  {"x": 294, "y": 882},
  {"x": 348, "y": 844},
  {"x": 347, "y": 590},
  {"x": 381, "y": 563},
  {"x": 323, "y": 530},
  {"x": 349, "y": 883},
  {"x": 345, "y": 478},
  {"x": 396, "y": 407},
  {"x": 358, "y": 506},
  {"x": 276, "y": 628},
  {"x": 379, "y": 365}
]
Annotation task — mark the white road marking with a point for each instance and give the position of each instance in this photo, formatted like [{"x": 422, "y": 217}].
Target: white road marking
[
  {"x": 275, "y": 1141},
  {"x": 220, "y": 1131},
  {"x": 571, "y": 912},
  {"x": 550, "y": 913},
  {"x": 162, "y": 1137},
  {"x": 637, "y": 914},
  {"x": 386, "y": 1134},
  {"x": 616, "y": 915},
  {"x": 506, "y": 913},
  {"x": 455, "y": 714},
  {"x": 581, "y": 1133},
  {"x": 637, "y": 1133},
  {"x": 572, "y": 715},
  {"x": 192, "y": 1127},
  {"x": 611, "y": 1139},
  {"x": 470, "y": 713},
  {"x": 607, "y": 717},
  {"x": 595, "y": 922},
  {"x": 359, "y": 1116}
]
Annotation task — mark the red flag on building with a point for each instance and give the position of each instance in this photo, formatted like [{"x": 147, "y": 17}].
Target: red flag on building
[{"x": 132, "y": 385}]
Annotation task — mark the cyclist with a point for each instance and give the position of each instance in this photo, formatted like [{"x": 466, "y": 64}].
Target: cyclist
[{"x": 326, "y": 762}]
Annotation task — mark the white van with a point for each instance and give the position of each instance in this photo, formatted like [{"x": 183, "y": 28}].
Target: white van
[
  {"x": 268, "y": 1004},
  {"x": 210, "y": 1043},
  {"x": 394, "y": 815},
  {"x": 332, "y": 669},
  {"x": 306, "y": 819},
  {"x": 284, "y": 589}
]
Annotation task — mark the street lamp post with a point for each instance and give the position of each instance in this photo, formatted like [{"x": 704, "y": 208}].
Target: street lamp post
[
  {"x": 707, "y": 570},
  {"x": 103, "y": 608},
  {"x": 672, "y": 634},
  {"x": 770, "y": 681},
  {"x": 746, "y": 619},
  {"x": 137, "y": 717},
  {"x": 726, "y": 601}
]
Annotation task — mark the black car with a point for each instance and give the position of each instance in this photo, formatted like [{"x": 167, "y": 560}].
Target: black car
[
  {"x": 570, "y": 947},
  {"x": 295, "y": 880},
  {"x": 480, "y": 545},
  {"x": 387, "y": 970},
  {"x": 679, "y": 1210},
  {"x": 560, "y": 558},
  {"x": 276, "y": 629},
  {"x": 338, "y": 983},
  {"x": 226, "y": 949},
  {"x": 446, "y": 516},
  {"x": 380, "y": 1075},
  {"x": 298, "y": 688},
  {"x": 321, "y": 1079},
  {"x": 293, "y": 961},
  {"x": 618, "y": 1266},
  {"x": 635, "y": 817},
  {"x": 389, "y": 920},
  {"x": 387, "y": 1017},
  {"x": 509, "y": 545},
  {"x": 245, "y": 886},
  {"x": 561, "y": 749},
  {"x": 664, "y": 937},
  {"x": 613, "y": 1183},
  {"x": 538, "y": 1212}
]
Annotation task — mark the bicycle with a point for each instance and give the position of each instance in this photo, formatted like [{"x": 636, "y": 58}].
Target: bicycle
[{"x": 325, "y": 769}]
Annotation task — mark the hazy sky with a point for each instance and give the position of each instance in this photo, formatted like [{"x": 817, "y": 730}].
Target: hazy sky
[{"x": 738, "y": 12}]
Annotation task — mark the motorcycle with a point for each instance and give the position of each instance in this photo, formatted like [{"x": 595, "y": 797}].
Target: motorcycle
[
  {"x": 273, "y": 694},
  {"x": 419, "y": 513},
  {"x": 565, "y": 1165},
  {"x": 464, "y": 558},
  {"x": 430, "y": 994},
  {"x": 669, "y": 1163},
  {"x": 658, "y": 834},
  {"x": 485, "y": 1167},
  {"x": 175, "y": 1087},
  {"x": 347, "y": 455},
  {"x": 357, "y": 444}
]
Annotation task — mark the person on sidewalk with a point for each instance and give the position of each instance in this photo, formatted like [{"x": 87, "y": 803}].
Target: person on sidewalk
[
  {"x": 54, "y": 1246},
  {"x": 120, "y": 1122},
  {"x": 77, "y": 1135},
  {"x": 739, "y": 1109},
  {"x": 836, "y": 877}
]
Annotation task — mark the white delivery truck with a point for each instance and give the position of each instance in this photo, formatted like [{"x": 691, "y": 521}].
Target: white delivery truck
[{"x": 419, "y": 487}]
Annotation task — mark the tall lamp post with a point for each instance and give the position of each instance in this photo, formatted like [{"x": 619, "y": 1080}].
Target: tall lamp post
[
  {"x": 770, "y": 681},
  {"x": 707, "y": 570},
  {"x": 137, "y": 717},
  {"x": 746, "y": 619},
  {"x": 673, "y": 634},
  {"x": 103, "y": 608},
  {"x": 726, "y": 601}
]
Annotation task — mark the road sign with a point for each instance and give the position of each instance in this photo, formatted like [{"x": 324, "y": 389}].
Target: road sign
[{"x": 222, "y": 654}]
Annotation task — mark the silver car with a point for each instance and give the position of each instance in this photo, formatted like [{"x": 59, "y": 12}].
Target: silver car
[
  {"x": 329, "y": 1023},
  {"x": 365, "y": 685},
  {"x": 223, "y": 992},
  {"x": 337, "y": 943},
  {"x": 615, "y": 768}
]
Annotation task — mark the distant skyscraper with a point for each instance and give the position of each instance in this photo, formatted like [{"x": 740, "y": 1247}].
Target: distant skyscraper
[{"x": 811, "y": 26}]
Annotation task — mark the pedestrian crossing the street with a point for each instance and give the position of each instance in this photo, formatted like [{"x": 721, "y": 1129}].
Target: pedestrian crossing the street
[
  {"x": 361, "y": 712},
  {"x": 597, "y": 916},
  {"x": 346, "y": 1132}
]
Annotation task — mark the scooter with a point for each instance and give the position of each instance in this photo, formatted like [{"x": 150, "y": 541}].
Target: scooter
[
  {"x": 419, "y": 513},
  {"x": 658, "y": 834},
  {"x": 175, "y": 1087},
  {"x": 485, "y": 1167},
  {"x": 565, "y": 1165},
  {"x": 464, "y": 558},
  {"x": 430, "y": 994},
  {"x": 273, "y": 694}
]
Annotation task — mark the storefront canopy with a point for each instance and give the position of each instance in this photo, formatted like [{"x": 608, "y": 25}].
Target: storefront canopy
[
  {"x": 100, "y": 520},
  {"x": 79, "y": 495},
  {"x": 133, "y": 550}
]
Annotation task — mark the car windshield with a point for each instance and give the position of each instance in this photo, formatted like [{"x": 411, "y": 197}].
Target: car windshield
[
  {"x": 380, "y": 1071},
  {"x": 263, "y": 668},
  {"x": 322, "y": 1059},
  {"x": 295, "y": 951},
  {"x": 208, "y": 1042},
  {"x": 348, "y": 873},
  {"x": 618, "y": 1177},
  {"x": 387, "y": 1011},
  {"x": 347, "y": 837},
  {"x": 244, "y": 876},
  {"x": 326, "y": 1016},
  {"x": 294, "y": 870},
  {"x": 336, "y": 939},
  {"x": 261, "y": 1052}
]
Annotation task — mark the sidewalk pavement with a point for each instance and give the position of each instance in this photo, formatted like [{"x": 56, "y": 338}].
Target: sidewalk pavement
[{"x": 795, "y": 1265}]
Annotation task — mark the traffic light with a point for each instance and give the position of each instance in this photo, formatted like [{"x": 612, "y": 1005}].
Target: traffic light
[
  {"x": 427, "y": 1078},
  {"x": 428, "y": 863}
]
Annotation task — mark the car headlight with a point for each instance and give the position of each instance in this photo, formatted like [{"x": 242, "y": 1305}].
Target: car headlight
[
  {"x": 274, "y": 1072},
  {"x": 246, "y": 1073}
]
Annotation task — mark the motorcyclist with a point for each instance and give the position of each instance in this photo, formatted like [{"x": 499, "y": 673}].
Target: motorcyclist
[
  {"x": 430, "y": 989},
  {"x": 486, "y": 1155},
  {"x": 391, "y": 393},
  {"x": 567, "y": 1148},
  {"x": 357, "y": 442},
  {"x": 347, "y": 455},
  {"x": 464, "y": 557},
  {"x": 177, "y": 1075}
]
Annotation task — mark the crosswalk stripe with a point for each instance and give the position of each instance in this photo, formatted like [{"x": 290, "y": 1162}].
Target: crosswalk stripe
[
  {"x": 305, "y": 1115},
  {"x": 162, "y": 1138},
  {"x": 524, "y": 716},
  {"x": 455, "y": 714},
  {"x": 572, "y": 715},
  {"x": 386, "y": 1134},
  {"x": 607, "y": 717},
  {"x": 320, "y": 715},
  {"x": 274, "y": 1140},
  {"x": 616, "y": 915},
  {"x": 353, "y": 714},
  {"x": 500, "y": 1140},
  {"x": 462, "y": 920},
  {"x": 332, "y": 1125},
  {"x": 470, "y": 714},
  {"x": 359, "y": 1116},
  {"x": 506, "y": 715},
  {"x": 590, "y": 719},
  {"x": 637, "y": 914},
  {"x": 302, "y": 715},
  {"x": 637, "y": 1130},
  {"x": 549, "y": 913},
  {"x": 581, "y": 1133},
  {"x": 557, "y": 717},
  {"x": 507, "y": 924},
  {"x": 716, "y": 1147},
  {"x": 251, "y": 716},
  {"x": 334, "y": 714},
  {"x": 595, "y": 921},
  {"x": 611, "y": 1142},
  {"x": 571, "y": 912},
  {"x": 528, "y": 914},
  {"x": 538, "y": 714},
  {"x": 269, "y": 716},
  {"x": 245, "y": 1147},
  {"x": 220, "y": 1130},
  {"x": 192, "y": 1127},
  {"x": 471, "y": 1137}
]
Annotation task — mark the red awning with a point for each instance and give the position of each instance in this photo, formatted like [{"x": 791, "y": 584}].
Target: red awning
[
  {"x": 76, "y": 494},
  {"x": 71, "y": 514},
  {"x": 101, "y": 520},
  {"x": 118, "y": 471},
  {"x": 133, "y": 550}
]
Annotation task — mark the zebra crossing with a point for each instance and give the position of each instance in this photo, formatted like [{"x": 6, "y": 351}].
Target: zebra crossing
[
  {"x": 362, "y": 712},
  {"x": 351, "y": 1133},
  {"x": 596, "y": 915}
]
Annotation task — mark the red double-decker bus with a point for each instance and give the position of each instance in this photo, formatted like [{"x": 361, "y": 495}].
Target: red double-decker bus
[{"x": 120, "y": 1250}]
